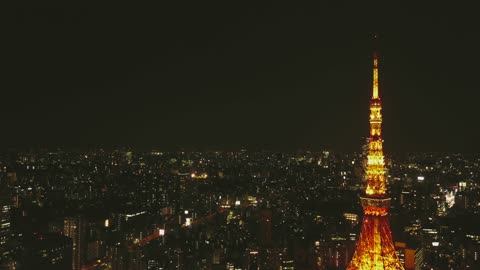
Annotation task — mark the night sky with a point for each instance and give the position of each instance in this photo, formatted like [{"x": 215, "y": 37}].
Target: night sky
[{"x": 214, "y": 75}]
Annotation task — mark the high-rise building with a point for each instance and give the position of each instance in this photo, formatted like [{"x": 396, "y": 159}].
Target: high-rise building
[
  {"x": 5, "y": 207},
  {"x": 265, "y": 228},
  {"x": 153, "y": 264},
  {"x": 410, "y": 255},
  {"x": 73, "y": 227},
  {"x": 332, "y": 254},
  {"x": 11, "y": 179},
  {"x": 117, "y": 257},
  {"x": 49, "y": 251},
  {"x": 95, "y": 250},
  {"x": 5, "y": 231},
  {"x": 375, "y": 249},
  {"x": 252, "y": 259},
  {"x": 136, "y": 259}
]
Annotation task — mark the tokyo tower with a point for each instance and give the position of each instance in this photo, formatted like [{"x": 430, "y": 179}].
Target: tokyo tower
[{"x": 375, "y": 248}]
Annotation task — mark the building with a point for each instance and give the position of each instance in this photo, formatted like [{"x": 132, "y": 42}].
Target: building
[
  {"x": 49, "y": 251},
  {"x": 6, "y": 259},
  {"x": 411, "y": 256},
  {"x": 5, "y": 207},
  {"x": 117, "y": 256},
  {"x": 136, "y": 259},
  {"x": 252, "y": 259},
  {"x": 95, "y": 250},
  {"x": 74, "y": 227},
  {"x": 333, "y": 254},
  {"x": 375, "y": 249}
]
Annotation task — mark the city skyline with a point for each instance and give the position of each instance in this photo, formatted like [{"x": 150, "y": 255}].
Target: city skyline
[
  {"x": 208, "y": 76},
  {"x": 228, "y": 136}
]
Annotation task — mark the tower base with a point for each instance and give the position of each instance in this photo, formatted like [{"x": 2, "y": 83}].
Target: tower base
[{"x": 375, "y": 249}]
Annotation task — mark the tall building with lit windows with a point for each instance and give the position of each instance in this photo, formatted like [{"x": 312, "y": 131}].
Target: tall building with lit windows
[
  {"x": 74, "y": 227},
  {"x": 6, "y": 259},
  {"x": 5, "y": 207},
  {"x": 375, "y": 249}
]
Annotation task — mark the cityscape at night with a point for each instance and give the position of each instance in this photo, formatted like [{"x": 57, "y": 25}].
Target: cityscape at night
[
  {"x": 215, "y": 135},
  {"x": 230, "y": 210}
]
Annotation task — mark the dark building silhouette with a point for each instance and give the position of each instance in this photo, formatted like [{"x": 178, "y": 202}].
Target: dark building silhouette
[{"x": 49, "y": 251}]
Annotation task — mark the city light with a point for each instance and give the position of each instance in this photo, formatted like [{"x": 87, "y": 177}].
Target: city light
[{"x": 217, "y": 137}]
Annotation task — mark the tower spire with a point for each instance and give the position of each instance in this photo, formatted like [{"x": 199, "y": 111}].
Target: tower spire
[
  {"x": 375, "y": 75},
  {"x": 375, "y": 176},
  {"x": 375, "y": 67}
]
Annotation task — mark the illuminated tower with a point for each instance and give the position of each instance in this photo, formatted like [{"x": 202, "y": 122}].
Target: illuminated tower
[{"x": 375, "y": 249}]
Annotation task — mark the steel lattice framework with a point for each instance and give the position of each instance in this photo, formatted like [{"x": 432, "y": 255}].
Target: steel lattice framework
[{"x": 375, "y": 249}]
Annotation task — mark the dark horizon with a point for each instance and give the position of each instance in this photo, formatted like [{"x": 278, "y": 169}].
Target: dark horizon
[{"x": 209, "y": 75}]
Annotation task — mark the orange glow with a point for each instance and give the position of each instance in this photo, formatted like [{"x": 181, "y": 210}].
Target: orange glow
[
  {"x": 375, "y": 78},
  {"x": 375, "y": 211},
  {"x": 199, "y": 176},
  {"x": 375, "y": 249},
  {"x": 375, "y": 171}
]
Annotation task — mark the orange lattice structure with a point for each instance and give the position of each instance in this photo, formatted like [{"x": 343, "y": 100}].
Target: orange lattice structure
[{"x": 375, "y": 249}]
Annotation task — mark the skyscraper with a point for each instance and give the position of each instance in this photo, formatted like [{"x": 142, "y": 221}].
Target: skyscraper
[
  {"x": 5, "y": 230},
  {"x": 47, "y": 251},
  {"x": 375, "y": 249},
  {"x": 5, "y": 205},
  {"x": 74, "y": 228}
]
